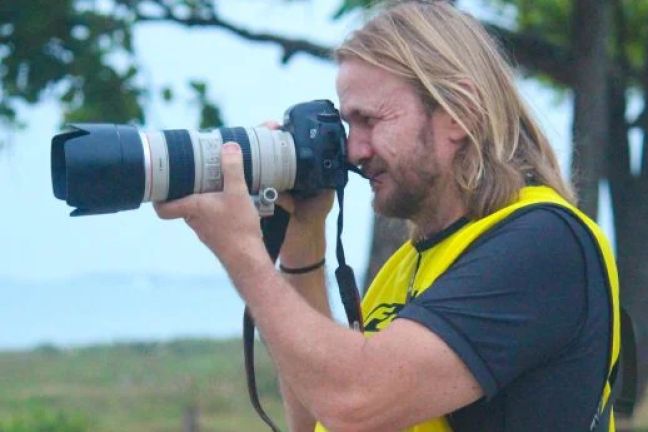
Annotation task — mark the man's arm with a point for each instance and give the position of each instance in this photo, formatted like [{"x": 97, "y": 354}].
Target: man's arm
[
  {"x": 303, "y": 245},
  {"x": 401, "y": 376},
  {"x": 347, "y": 382}
]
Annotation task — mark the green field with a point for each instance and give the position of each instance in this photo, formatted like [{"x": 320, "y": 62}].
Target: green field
[
  {"x": 136, "y": 387},
  {"x": 140, "y": 387}
]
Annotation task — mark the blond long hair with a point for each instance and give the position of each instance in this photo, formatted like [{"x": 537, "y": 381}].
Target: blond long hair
[{"x": 453, "y": 63}]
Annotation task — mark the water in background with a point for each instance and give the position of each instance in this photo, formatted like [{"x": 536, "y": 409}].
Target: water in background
[
  {"x": 105, "y": 308},
  {"x": 108, "y": 308}
]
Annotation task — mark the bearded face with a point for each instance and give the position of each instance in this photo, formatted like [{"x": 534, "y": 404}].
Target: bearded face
[
  {"x": 406, "y": 150},
  {"x": 402, "y": 188}
]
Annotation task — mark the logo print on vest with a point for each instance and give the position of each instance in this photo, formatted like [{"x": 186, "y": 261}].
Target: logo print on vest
[{"x": 381, "y": 316}]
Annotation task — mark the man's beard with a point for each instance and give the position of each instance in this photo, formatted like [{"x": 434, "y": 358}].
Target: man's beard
[
  {"x": 410, "y": 186},
  {"x": 409, "y": 197},
  {"x": 404, "y": 202}
]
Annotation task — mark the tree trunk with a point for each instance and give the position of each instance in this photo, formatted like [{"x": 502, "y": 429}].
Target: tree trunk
[
  {"x": 191, "y": 419},
  {"x": 388, "y": 234},
  {"x": 601, "y": 149},
  {"x": 628, "y": 191},
  {"x": 630, "y": 213},
  {"x": 590, "y": 33}
]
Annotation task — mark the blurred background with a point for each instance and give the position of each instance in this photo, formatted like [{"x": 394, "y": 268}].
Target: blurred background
[{"x": 126, "y": 322}]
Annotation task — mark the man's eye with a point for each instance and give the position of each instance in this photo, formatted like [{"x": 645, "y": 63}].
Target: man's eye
[{"x": 367, "y": 120}]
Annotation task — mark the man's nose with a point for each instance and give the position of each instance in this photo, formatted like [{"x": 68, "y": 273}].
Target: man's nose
[{"x": 358, "y": 148}]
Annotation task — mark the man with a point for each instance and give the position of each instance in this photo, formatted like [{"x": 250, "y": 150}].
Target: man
[{"x": 496, "y": 316}]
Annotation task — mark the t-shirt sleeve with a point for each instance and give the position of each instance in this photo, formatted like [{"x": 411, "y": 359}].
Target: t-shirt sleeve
[{"x": 512, "y": 301}]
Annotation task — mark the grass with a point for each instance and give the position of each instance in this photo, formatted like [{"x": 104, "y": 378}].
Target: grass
[{"x": 139, "y": 387}]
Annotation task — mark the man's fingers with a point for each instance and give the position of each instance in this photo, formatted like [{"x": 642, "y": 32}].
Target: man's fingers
[
  {"x": 234, "y": 183},
  {"x": 286, "y": 202},
  {"x": 232, "y": 166},
  {"x": 180, "y": 208},
  {"x": 271, "y": 124}
]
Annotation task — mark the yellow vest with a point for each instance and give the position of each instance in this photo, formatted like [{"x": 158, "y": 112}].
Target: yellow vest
[{"x": 388, "y": 292}]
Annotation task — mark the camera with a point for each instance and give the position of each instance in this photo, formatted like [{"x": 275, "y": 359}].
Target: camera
[{"x": 106, "y": 168}]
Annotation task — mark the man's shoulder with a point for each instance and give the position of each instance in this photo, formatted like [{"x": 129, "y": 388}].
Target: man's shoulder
[
  {"x": 543, "y": 315},
  {"x": 540, "y": 216},
  {"x": 518, "y": 308},
  {"x": 546, "y": 228}
]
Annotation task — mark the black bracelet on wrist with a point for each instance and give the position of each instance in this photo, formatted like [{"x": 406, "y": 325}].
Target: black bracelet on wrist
[{"x": 302, "y": 270}]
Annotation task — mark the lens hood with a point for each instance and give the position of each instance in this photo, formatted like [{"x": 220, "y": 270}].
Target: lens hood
[{"x": 98, "y": 168}]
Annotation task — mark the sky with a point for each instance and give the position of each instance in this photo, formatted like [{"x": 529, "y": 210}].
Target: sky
[{"x": 42, "y": 245}]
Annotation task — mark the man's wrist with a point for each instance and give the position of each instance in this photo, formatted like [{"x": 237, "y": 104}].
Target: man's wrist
[
  {"x": 303, "y": 246},
  {"x": 302, "y": 270},
  {"x": 244, "y": 256}
]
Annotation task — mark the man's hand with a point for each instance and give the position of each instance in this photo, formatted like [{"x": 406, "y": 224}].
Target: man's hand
[
  {"x": 304, "y": 211},
  {"x": 304, "y": 241},
  {"x": 227, "y": 222}
]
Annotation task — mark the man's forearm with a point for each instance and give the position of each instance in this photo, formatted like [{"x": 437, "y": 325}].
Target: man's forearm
[
  {"x": 300, "y": 250},
  {"x": 307, "y": 346}
]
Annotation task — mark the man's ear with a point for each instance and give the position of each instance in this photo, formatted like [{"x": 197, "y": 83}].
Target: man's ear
[
  {"x": 452, "y": 129},
  {"x": 456, "y": 129}
]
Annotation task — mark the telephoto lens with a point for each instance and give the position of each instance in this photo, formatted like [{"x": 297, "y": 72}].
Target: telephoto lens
[{"x": 104, "y": 168}]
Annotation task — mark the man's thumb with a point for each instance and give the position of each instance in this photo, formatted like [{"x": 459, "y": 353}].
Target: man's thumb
[{"x": 232, "y": 166}]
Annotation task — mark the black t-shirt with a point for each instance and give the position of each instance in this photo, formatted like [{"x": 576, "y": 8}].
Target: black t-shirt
[{"x": 526, "y": 308}]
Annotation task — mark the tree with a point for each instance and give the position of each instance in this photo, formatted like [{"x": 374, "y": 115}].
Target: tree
[
  {"x": 595, "y": 50},
  {"x": 64, "y": 50},
  {"x": 68, "y": 52}
]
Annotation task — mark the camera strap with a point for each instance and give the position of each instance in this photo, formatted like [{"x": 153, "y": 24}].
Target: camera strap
[
  {"x": 344, "y": 274},
  {"x": 274, "y": 231}
]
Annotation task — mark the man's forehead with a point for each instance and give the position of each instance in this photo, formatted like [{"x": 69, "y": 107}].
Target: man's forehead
[
  {"x": 349, "y": 94},
  {"x": 354, "y": 71},
  {"x": 350, "y": 104},
  {"x": 344, "y": 79},
  {"x": 361, "y": 86}
]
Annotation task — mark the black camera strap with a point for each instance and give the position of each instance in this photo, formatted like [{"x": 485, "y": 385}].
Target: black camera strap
[
  {"x": 344, "y": 274},
  {"x": 274, "y": 232}
]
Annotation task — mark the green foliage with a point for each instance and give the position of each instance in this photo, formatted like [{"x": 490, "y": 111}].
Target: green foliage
[
  {"x": 552, "y": 21},
  {"x": 79, "y": 52},
  {"x": 135, "y": 387},
  {"x": 547, "y": 18},
  {"x": 44, "y": 421},
  {"x": 47, "y": 348},
  {"x": 167, "y": 94},
  {"x": 210, "y": 116},
  {"x": 65, "y": 50},
  {"x": 352, "y": 5},
  {"x": 635, "y": 14}
]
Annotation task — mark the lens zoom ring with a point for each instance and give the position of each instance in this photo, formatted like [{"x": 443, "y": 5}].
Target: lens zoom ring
[
  {"x": 240, "y": 136},
  {"x": 181, "y": 163}
]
